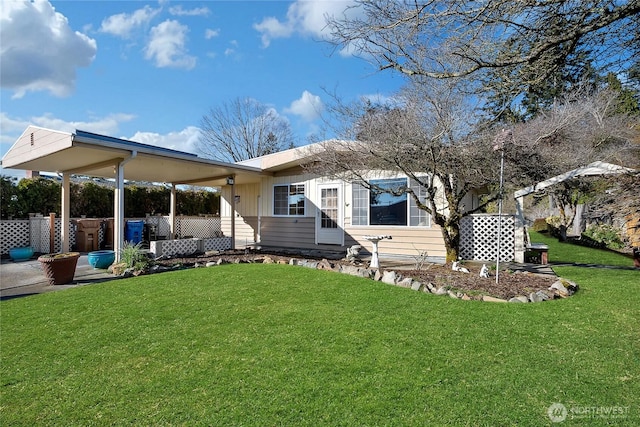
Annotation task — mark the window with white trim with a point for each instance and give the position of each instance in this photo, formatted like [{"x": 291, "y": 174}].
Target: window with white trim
[
  {"x": 375, "y": 207},
  {"x": 288, "y": 200}
]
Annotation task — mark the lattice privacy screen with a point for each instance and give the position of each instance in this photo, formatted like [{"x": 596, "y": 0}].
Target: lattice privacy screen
[
  {"x": 14, "y": 234},
  {"x": 34, "y": 232},
  {"x": 199, "y": 227},
  {"x": 479, "y": 238}
]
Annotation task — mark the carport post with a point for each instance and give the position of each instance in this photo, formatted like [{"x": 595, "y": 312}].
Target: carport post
[
  {"x": 172, "y": 213},
  {"x": 65, "y": 214},
  {"x": 519, "y": 231},
  {"x": 118, "y": 208}
]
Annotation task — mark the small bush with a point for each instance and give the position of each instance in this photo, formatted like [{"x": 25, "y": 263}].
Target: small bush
[
  {"x": 540, "y": 225},
  {"x": 605, "y": 234},
  {"x": 132, "y": 255},
  {"x": 553, "y": 225}
]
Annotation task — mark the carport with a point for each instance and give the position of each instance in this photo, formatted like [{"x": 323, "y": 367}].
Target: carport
[
  {"x": 103, "y": 156},
  {"x": 592, "y": 169}
]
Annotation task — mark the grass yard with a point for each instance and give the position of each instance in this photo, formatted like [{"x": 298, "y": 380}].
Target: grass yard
[{"x": 257, "y": 345}]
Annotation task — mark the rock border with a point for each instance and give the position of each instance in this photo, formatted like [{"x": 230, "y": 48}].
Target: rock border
[{"x": 561, "y": 288}]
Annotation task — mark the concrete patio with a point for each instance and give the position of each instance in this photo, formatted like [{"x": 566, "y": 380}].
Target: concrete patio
[{"x": 27, "y": 278}]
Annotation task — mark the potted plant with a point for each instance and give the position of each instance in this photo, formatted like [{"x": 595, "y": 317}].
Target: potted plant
[{"x": 59, "y": 268}]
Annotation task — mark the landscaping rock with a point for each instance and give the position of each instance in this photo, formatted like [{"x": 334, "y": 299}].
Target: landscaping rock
[
  {"x": 325, "y": 265},
  {"x": 405, "y": 283},
  {"x": 519, "y": 298},
  {"x": 117, "y": 269},
  {"x": 268, "y": 260},
  {"x": 309, "y": 264},
  {"x": 452, "y": 294},
  {"x": 377, "y": 276},
  {"x": 416, "y": 286},
  {"x": 487, "y": 298},
  {"x": 441, "y": 291},
  {"x": 559, "y": 289},
  {"x": 430, "y": 288},
  {"x": 538, "y": 296},
  {"x": 389, "y": 277}
]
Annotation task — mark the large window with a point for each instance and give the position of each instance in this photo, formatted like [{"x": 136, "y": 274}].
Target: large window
[
  {"x": 377, "y": 207},
  {"x": 288, "y": 199}
]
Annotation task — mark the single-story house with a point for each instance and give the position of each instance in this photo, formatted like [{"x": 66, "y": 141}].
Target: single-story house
[
  {"x": 292, "y": 208},
  {"x": 269, "y": 201}
]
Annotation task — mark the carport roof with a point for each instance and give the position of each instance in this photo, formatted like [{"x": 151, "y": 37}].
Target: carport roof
[{"x": 97, "y": 155}]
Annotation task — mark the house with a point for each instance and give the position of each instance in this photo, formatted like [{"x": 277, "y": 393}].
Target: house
[
  {"x": 271, "y": 201},
  {"x": 291, "y": 208}
]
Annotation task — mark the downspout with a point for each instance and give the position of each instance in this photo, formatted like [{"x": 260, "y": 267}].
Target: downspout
[{"x": 118, "y": 200}]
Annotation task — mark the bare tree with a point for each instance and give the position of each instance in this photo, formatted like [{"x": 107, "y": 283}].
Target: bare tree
[
  {"x": 576, "y": 131},
  {"x": 432, "y": 136},
  {"x": 513, "y": 44},
  {"x": 243, "y": 129}
]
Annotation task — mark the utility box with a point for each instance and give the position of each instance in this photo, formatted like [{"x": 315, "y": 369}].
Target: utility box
[{"x": 88, "y": 235}]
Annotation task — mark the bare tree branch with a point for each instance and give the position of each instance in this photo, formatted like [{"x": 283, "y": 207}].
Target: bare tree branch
[{"x": 242, "y": 129}]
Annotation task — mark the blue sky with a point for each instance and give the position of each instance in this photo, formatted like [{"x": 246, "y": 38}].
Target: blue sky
[{"x": 149, "y": 70}]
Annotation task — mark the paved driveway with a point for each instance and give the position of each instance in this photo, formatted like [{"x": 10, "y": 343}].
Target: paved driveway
[{"x": 27, "y": 278}]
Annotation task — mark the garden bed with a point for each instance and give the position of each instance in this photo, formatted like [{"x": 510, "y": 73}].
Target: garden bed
[{"x": 510, "y": 284}]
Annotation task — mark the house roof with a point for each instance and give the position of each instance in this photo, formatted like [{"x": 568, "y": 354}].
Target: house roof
[
  {"x": 592, "y": 169},
  {"x": 288, "y": 158},
  {"x": 97, "y": 155}
]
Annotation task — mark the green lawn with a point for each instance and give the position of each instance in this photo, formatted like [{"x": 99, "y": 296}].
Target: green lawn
[{"x": 265, "y": 345}]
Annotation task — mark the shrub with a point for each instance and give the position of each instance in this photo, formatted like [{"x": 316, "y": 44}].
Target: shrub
[
  {"x": 553, "y": 225},
  {"x": 133, "y": 256},
  {"x": 605, "y": 234},
  {"x": 540, "y": 225}
]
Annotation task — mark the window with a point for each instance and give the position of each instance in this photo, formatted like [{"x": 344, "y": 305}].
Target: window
[
  {"x": 375, "y": 207},
  {"x": 288, "y": 199}
]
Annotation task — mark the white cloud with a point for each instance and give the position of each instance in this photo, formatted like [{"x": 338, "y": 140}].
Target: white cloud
[
  {"x": 123, "y": 24},
  {"x": 167, "y": 46},
  {"x": 184, "y": 140},
  {"x": 309, "y": 106},
  {"x": 232, "y": 51},
  {"x": 198, "y": 11},
  {"x": 303, "y": 17},
  {"x": 209, "y": 33},
  {"x": 271, "y": 28},
  {"x": 40, "y": 51}
]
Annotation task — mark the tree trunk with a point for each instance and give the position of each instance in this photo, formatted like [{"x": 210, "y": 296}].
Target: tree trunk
[
  {"x": 562, "y": 233},
  {"x": 451, "y": 237}
]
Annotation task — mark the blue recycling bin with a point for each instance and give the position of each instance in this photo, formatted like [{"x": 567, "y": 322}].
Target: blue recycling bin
[{"x": 133, "y": 231}]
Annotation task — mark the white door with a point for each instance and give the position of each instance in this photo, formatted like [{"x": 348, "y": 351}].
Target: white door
[{"x": 329, "y": 221}]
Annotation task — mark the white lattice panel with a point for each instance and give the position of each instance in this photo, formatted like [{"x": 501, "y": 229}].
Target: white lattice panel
[
  {"x": 216, "y": 244},
  {"x": 34, "y": 232},
  {"x": 199, "y": 227},
  {"x": 40, "y": 235},
  {"x": 15, "y": 234},
  {"x": 163, "y": 226},
  {"x": 479, "y": 237},
  {"x": 178, "y": 247}
]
